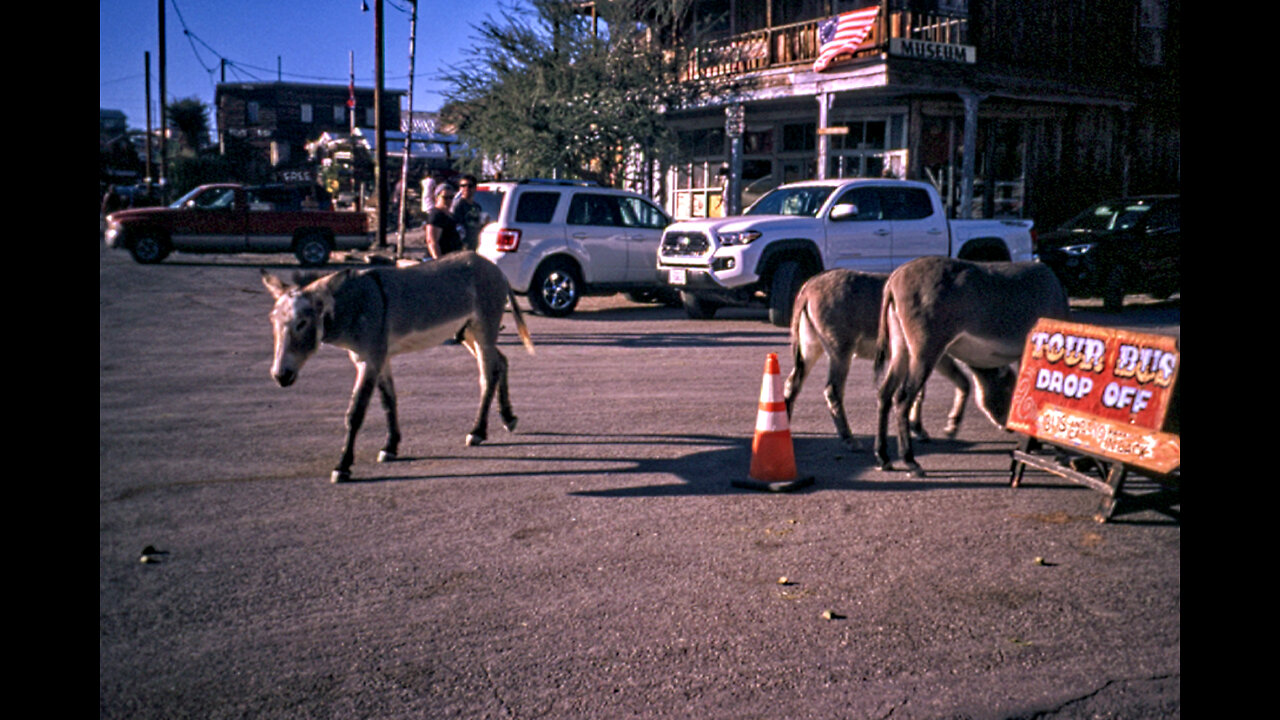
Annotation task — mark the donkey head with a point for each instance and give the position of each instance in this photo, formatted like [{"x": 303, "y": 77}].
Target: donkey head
[{"x": 298, "y": 321}]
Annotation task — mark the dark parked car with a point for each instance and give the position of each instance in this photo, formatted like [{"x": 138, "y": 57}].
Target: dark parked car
[{"x": 1125, "y": 245}]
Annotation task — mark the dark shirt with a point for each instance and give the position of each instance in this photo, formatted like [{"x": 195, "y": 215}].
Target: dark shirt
[
  {"x": 470, "y": 219},
  {"x": 448, "y": 240}
]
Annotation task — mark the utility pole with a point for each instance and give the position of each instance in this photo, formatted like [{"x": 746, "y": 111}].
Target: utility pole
[
  {"x": 146, "y": 56},
  {"x": 164, "y": 118},
  {"x": 408, "y": 134},
  {"x": 380, "y": 166},
  {"x": 351, "y": 91}
]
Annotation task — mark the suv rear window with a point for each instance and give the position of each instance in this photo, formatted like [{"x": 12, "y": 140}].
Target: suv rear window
[
  {"x": 537, "y": 207},
  {"x": 490, "y": 201}
]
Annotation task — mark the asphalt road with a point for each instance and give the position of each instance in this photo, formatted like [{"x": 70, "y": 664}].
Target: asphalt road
[{"x": 597, "y": 563}]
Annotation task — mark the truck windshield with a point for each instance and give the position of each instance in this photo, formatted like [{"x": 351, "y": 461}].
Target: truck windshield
[
  {"x": 206, "y": 199},
  {"x": 806, "y": 201},
  {"x": 1116, "y": 215}
]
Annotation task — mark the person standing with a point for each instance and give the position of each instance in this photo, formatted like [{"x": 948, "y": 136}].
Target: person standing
[
  {"x": 442, "y": 226},
  {"x": 468, "y": 212}
]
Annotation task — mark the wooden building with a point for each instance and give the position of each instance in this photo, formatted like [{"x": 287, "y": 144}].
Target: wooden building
[
  {"x": 1034, "y": 108},
  {"x": 267, "y": 125}
]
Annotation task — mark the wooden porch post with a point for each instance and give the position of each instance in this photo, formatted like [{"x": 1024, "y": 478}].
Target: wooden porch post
[
  {"x": 971, "y": 101},
  {"x": 824, "y": 141}
]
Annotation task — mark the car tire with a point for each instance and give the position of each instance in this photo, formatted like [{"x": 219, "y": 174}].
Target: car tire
[
  {"x": 1113, "y": 289},
  {"x": 783, "y": 288},
  {"x": 555, "y": 290},
  {"x": 149, "y": 249},
  {"x": 698, "y": 308},
  {"x": 312, "y": 250}
]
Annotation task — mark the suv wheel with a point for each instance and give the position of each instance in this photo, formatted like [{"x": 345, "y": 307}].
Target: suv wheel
[
  {"x": 312, "y": 250},
  {"x": 149, "y": 249},
  {"x": 698, "y": 308},
  {"x": 783, "y": 288},
  {"x": 555, "y": 289}
]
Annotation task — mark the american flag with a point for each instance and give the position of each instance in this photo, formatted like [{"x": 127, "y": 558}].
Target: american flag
[{"x": 843, "y": 34}]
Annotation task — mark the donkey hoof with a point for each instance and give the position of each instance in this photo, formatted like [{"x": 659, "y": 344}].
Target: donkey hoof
[
  {"x": 510, "y": 425},
  {"x": 474, "y": 440},
  {"x": 340, "y": 476},
  {"x": 915, "y": 470},
  {"x": 384, "y": 456}
]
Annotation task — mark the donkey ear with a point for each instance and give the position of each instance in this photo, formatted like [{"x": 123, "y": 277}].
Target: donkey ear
[
  {"x": 335, "y": 280},
  {"x": 275, "y": 285}
]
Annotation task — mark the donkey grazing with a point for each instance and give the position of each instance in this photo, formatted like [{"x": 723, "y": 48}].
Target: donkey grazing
[
  {"x": 976, "y": 313},
  {"x": 838, "y": 312},
  {"x": 379, "y": 312}
]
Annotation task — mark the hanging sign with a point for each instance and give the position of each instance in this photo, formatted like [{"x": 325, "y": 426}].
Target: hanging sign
[
  {"x": 1104, "y": 391},
  {"x": 925, "y": 50}
]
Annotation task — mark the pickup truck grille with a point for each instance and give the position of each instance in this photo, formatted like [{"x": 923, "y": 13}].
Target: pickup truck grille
[{"x": 684, "y": 244}]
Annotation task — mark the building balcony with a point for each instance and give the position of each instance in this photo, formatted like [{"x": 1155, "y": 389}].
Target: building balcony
[{"x": 797, "y": 44}]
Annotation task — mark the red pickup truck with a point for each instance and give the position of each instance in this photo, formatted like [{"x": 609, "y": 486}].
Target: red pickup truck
[{"x": 232, "y": 218}]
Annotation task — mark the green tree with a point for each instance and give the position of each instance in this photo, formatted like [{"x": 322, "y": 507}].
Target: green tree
[
  {"x": 551, "y": 91},
  {"x": 190, "y": 118}
]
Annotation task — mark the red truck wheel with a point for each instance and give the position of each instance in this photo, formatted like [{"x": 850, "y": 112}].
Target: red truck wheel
[{"x": 312, "y": 250}]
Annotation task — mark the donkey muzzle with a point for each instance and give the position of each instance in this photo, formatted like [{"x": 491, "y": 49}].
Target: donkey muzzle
[{"x": 285, "y": 378}]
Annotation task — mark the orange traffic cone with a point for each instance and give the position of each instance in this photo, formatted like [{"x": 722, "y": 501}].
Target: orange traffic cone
[{"x": 773, "y": 463}]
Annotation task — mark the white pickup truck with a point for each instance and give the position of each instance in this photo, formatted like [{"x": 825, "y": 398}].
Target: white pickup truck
[{"x": 801, "y": 229}]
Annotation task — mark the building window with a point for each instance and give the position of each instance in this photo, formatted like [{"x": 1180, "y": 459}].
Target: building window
[
  {"x": 1152, "y": 21},
  {"x": 866, "y": 150},
  {"x": 306, "y": 113},
  {"x": 340, "y": 114},
  {"x": 370, "y": 120},
  {"x": 799, "y": 137},
  {"x": 251, "y": 112}
]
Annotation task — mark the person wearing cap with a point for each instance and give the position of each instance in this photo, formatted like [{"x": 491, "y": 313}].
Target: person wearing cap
[{"x": 442, "y": 227}]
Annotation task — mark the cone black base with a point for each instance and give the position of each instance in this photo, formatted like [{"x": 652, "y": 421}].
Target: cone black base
[{"x": 780, "y": 486}]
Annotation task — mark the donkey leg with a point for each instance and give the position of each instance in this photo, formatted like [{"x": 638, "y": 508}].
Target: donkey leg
[
  {"x": 914, "y": 417},
  {"x": 837, "y": 376},
  {"x": 805, "y": 351},
  {"x": 366, "y": 380},
  {"x": 950, "y": 370},
  {"x": 488, "y": 365},
  {"x": 387, "y": 390},
  {"x": 912, "y": 386},
  {"x": 884, "y": 403},
  {"x": 509, "y": 418}
]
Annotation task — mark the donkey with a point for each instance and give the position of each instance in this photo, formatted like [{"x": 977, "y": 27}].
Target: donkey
[
  {"x": 379, "y": 312},
  {"x": 975, "y": 313},
  {"x": 838, "y": 312}
]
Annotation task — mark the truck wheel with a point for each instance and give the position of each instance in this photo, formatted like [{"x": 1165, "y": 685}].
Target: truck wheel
[
  {"x": 698, "y": 308},
  {"x": 312, "y": 250},
  {"x": 149, "y": 249},
  {"x": 555, "y": 289},
  {"x": 783, "y": 288}
]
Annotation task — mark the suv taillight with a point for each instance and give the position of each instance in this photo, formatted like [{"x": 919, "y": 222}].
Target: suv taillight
[
  {"x": 1035, "y": 242},
  {"x": 508, "y": 240}
]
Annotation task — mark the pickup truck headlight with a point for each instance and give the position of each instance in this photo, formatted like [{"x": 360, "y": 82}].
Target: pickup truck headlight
[{"x": 739, "y": 238}]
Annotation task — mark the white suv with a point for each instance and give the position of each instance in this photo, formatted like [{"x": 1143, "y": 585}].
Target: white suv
[{"x": 557, "y": 240}]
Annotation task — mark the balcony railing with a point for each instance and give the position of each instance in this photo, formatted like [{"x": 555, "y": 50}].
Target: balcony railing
[{"x": 797, "y": 44}]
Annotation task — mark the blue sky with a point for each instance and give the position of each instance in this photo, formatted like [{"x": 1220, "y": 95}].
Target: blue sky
[{"x": 310, "y": 41}]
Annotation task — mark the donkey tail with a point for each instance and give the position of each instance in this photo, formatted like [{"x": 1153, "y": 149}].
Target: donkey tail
[
  {"x": 882, "y": 333},
  {"x": 523, "y": 329}
]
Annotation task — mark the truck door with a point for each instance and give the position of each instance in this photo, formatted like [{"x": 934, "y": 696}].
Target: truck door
[
  {"x": 864, "y": 240},
  {"x": 212, "y": 221},
  {"x": 596, "y": 231},
  {"x": 917, "y": 229}
]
